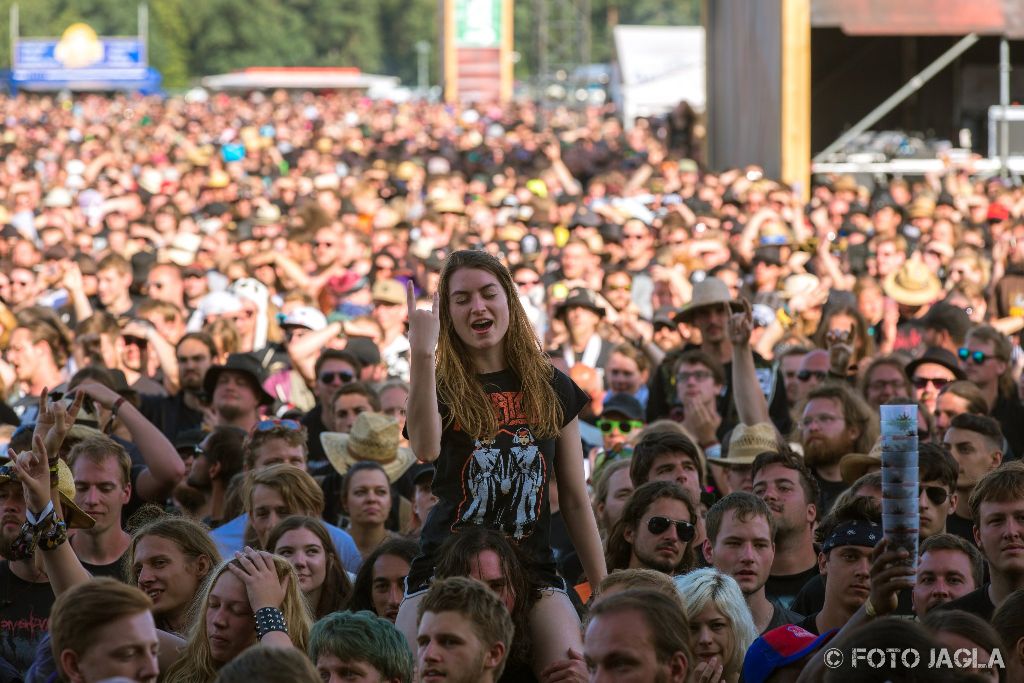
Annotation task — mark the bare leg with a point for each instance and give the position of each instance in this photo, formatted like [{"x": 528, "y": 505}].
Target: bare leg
[
  {"x": 406, "y": 621},
  {"x": 555, "y": 629}
]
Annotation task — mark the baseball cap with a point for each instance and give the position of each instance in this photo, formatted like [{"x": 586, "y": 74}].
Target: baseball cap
[
  {"x": 624, "y": 404},
  {"x": 779, "y": 647}
]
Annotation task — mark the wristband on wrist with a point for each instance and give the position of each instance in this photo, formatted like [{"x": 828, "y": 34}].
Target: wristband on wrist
[
  {"x": 117, "y": 406},
  {"x": 34, "y": 519},
  {"x": 269, "y": 619}
]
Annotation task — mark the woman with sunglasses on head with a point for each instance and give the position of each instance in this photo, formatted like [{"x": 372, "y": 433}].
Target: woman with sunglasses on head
[
  {"x": 497, "y": 420},
  {"x": 305, "y": 543}
]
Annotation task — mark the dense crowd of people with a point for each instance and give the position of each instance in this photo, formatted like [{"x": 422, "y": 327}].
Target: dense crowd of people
[{"x": 314, "y": 387}]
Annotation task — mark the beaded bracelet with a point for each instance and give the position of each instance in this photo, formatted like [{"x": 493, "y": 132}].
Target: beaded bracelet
[{"x": 269, "y": 619}]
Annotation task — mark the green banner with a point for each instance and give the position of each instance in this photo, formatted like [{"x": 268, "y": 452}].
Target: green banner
[{"x": 478, "y": 23}]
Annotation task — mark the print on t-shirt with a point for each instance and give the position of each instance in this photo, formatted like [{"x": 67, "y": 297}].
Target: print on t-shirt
[{"x": 504, "y": 478}]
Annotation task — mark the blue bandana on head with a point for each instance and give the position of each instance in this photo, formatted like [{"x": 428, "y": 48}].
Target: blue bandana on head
[{"x": 855, "y": 532}]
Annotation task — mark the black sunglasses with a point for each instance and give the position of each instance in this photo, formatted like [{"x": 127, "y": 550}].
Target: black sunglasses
[
  {"x": 343, "y": 375},
  {"x": 805, "y": 375},
  {"x": 936, "y": 494},
  {"x": 684, "y": 530},
  {"x": 938, "y": 382}
]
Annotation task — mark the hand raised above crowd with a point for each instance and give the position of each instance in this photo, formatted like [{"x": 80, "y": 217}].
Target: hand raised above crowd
[{"x": 424, "y": 326}]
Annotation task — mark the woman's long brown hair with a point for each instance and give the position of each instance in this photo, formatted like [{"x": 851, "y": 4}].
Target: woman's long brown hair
[{"x": 458, "y": 385}]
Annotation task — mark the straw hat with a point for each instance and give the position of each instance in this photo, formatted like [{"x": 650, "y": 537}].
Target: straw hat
[
  {"x": 749, "y": 441},
  {"x": 708, "y": 292},
  {"x": 913, "y": 284},
  {"x": 374, "y": 438},
  {"x": 73, "y": 515}
]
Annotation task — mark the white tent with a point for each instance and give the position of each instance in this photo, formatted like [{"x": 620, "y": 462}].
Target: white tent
[{"x": 659, "y": 67}]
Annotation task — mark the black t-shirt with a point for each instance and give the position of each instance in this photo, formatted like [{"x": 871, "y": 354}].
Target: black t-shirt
[
  {"x": 170, "y": 414},
  {"x": 958, "y": 526},
  {"x": 781, "y": 617},
  {"x": 314, "y": 424},
  {"x": 1010, "y": 413},
  {"x": 24, "y": 617},
  {"x": 830, "y": 490},
  {"x": 114, "y": 570},
  {"x": 784, "y": 588},
  {"x": 501, "y": 483},
  {"x": 975, "y": 602}
]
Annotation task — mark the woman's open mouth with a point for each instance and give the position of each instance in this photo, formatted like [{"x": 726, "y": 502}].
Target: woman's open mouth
[{"x": 482, "y": 326}]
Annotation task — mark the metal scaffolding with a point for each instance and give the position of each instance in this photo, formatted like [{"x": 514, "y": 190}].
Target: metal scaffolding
[{"x": 561, "y": 34}]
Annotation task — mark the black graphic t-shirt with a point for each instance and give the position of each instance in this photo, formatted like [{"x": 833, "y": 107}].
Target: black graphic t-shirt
[
  {"x": 499, "y": 483},
  {"x": 24, "y": 617}
]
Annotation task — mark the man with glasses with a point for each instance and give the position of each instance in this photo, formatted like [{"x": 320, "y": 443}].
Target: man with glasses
[
  {"x": 217, "y": 459},
  {"x": 976, "y": 443},
  {"x": 936, "y": 368},
  {"x": 333, "y": 369},
  {"x": 985, "y": 358},
  {"x": 656, "y": 531},
  {"x": 835, "y": 421}
]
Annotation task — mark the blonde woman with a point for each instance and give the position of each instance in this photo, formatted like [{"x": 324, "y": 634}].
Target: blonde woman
[
  {"x": 252, "y": 599},
  {"x": 721, "y": 628}
]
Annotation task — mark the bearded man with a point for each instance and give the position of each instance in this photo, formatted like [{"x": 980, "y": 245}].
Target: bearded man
[{"x": 834, "y": 422}]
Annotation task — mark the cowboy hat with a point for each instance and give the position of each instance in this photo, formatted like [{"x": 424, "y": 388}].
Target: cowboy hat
[
  {"x": 374, "y": 438},
  {"x": 912, "y": 285},
  {"x": 73, "y": 515},
  {"x": 708, "y": 292}
]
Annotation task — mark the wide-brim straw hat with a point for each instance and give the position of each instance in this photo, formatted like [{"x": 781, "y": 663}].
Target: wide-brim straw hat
[
  {"x": 749, "y": 441},
  {"x": 374, "y": 438},
  {"x": 912, "y": 285}
]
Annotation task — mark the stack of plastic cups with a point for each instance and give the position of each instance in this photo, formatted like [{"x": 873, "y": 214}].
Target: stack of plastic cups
[{"x": 901, "y": 479}]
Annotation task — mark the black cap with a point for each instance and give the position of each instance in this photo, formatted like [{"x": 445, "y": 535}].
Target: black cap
[
  {"x": 582, "y": 298},
  {"x": 188, "y": 439},
  {"x": 245, "y": 364},
  {"x": 939, "y": 356},
  {"x": 624, "y": 404},
  {"x": 952, "y": 319}
]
